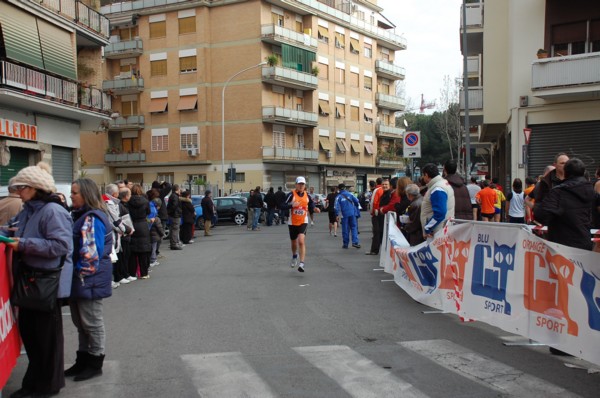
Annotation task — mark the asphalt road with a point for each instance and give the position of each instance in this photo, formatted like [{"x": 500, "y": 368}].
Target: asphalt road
[{"x": 227, "y": 317}]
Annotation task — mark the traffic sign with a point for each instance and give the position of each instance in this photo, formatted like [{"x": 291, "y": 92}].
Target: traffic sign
[{"x": 412, "y": 144}]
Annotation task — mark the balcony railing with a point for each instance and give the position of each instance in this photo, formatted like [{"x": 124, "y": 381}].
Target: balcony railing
[
  {"x": 123, "y": 49},
  {"x": 277, "y": 34},
  {"x": 391, "y": 39},
  {"x": 66, "y": 92},
  {"x": 289, "y": 78},
  {"x": 388, "y": 70},
  {"x": 124, "y": 86},
  {"x": 570, "y": 74},
  {"x": 290, "y": 154},
  {"x": 273, "y": 114},
  {"x": 390, "y": 102},
  {"x": 474, "y": 66},
  {"x": 79, "y": 13},
  {"x": 136, "y": 5},
  {"x": 125, "y": 157},
  {"x": 474, "y": 13},
  {"x": 475, "y": 99},
  {"x": 383, "y": 130},
  {"x": 127, "y": 123}
]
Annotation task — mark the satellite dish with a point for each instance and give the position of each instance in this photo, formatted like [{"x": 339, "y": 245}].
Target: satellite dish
[{"x": 405, "y": 123}]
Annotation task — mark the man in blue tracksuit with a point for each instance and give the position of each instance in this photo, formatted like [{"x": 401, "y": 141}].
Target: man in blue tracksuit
[{"x": 346, "y": 211}]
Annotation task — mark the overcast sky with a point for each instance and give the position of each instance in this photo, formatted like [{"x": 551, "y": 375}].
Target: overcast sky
[{"x": 431, "y": 28}]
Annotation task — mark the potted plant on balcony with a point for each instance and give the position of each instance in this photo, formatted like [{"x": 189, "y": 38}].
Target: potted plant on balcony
[
  {"x": 272, "y": 60},
  {"x": 541, "y": 53},
  {"x": 315, "y": 70}
]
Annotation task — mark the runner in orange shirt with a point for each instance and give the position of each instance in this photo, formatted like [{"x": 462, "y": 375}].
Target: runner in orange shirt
[{"x": 487, "y": 198}]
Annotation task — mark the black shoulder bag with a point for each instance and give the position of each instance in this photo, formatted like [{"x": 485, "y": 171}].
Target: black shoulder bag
[{"x": 36, "y": 288}]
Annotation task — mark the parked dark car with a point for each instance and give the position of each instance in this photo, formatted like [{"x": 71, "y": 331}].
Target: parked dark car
[{"x": 231, "y": 208}]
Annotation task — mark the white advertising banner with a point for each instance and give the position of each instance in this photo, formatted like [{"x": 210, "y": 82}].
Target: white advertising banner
[{"x": 503, "y": 275}]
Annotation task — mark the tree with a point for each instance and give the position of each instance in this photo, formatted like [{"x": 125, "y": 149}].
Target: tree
[{"x": 449, "y": 120}]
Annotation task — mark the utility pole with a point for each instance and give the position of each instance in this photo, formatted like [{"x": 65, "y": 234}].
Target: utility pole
[{"x": 466, "y": 94}]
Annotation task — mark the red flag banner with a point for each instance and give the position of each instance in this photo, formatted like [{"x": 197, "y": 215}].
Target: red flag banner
[{"x": 10, "y": 343}]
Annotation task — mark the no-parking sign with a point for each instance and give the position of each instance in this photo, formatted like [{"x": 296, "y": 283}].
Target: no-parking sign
[{"x": 412, "y": 144}]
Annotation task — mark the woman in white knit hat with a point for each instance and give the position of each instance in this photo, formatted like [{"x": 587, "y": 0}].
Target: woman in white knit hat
[{"x": 43, "y": 239}]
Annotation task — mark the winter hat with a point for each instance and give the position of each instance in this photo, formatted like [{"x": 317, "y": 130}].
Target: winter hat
[{"x": 38, "y": 177}]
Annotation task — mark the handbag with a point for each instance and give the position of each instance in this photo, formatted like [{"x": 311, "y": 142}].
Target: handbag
[{"x": 36, "y": 288}]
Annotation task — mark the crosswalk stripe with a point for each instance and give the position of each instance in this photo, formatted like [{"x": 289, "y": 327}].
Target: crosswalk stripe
[
  {"x": 356, "y": 374},
  {"x": 225, "y": 375},
  {"x": 486, "y": 371}
]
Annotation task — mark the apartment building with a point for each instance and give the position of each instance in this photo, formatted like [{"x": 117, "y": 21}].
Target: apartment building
[
  {"x": 525, "y": 110},
  {"x": 309, "y": 90},
  {"x": 50, "y": 80}
]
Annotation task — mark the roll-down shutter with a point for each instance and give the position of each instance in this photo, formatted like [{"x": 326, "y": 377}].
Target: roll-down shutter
[{"x": 62, "y": 164}]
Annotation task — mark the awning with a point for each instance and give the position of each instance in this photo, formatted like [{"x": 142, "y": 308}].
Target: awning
[
  {"x": 369, "y": 114},
  {"x": 187, "y": 103},
  {"x": 356, "y": 147},
  {"x": 57, "y": 49},
  {"x": 341, "y": 145},
  {"x": 158, "y": 105},
  {"x": 325, "y": 144},
  {"x": 20, "y": 35},
  {"x": 324, "y": 107},
  {"x": 324, "y": 32},
  {"x": 340, "y": 109},
  {"x": 340, "y": 38},
  {"x": 354, "y": 45},
  {"x": 368, "y": 148}
]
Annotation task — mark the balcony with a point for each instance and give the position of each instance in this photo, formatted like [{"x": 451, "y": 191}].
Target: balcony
[
  {"x": 275, "y": 34},
  {"x": 569, "y": 76},
  {"x": 287, "y": 154},
  {"x": 131, "y": 122},
  {"x": 474, "y": 22},
  {"x": 381, "y": 130},
  {"x": 42, "y": 93},
  {"x": 86, "y": 20},
  {"x": 124, "y": 49},
  {"x": 342, "y": 15},
  {"x": 475, "y": 104},
  {"x": 290, "y": 117},
  {"x": 289, "y": 78},
  {"x": 135, "y": 157},
  {"x": 390, "y": 102},
  {"x": 396, "y": 162},
  {"x": 474, "y": 67},
  {"x": 124, "y": 86},
  {"x": 388, "y": 70}
]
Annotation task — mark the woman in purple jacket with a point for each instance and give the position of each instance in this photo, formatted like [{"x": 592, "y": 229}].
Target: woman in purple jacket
[{"x": 92, "y": 268}]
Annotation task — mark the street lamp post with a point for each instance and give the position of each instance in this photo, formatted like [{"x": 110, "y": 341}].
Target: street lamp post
[{"x": 223, "y": 120}]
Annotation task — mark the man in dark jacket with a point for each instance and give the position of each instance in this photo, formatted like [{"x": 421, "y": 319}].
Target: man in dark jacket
[
  {"x": 208, "y": 211},
  {"x": 566, "y": 209},
  {"x": 552, "y": 179},
  {"x": 174, "y": 212},
  {"x": 462, "y": 200},
  {"x": 255, "y": 202},
  {"x": 280, "y": 198},
  {"x": 271, "y": 201}
]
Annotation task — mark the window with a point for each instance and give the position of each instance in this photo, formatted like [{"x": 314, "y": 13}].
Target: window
[
  {"x": 368, "y": 51},
  {"x": 158, "y": 29},
  {"x": 385, "y": 54},
  {"x": 159, "y": 105},
  {"x": 166, "y": 177},
  {"x": 160, "y": 140},
  {"x": 339, "y": 110},
  {"x": 187, "y": 25},
  {"x": 188, "y": 103},
  {"x": 128, "y": 108},
  {"x": 279, "y": 139},
  {"x": 158, "y": 68},
  {"x": 573, "y": 38},
  {"x": 340, "y": 75},
  {"x": 368, "y": 116},
  {"x": 323, "y": 34},
  {"x": 384, "y": 87},
  {"x": 368, "y": 83},
  {"x": 187, "y": 64},
  {"x": 300, "y": 140},
  {"x": 340, "y": 40},
  {"x": 324, "y": 71},
  {"x": 130, "y": 145},
  {"x": 324, "y": 109},
  {"x": 353, "y": 79},
  {"x": 277, "y": 19},
  {"x": 354, "y": 113},
  {"x": 299, "y": 27},
  {"x": 354, "y": 46},
  {"x": 188, "y": 138},
  {"x": 239, "y": 177},
  {"x": 341, "y": 145}
]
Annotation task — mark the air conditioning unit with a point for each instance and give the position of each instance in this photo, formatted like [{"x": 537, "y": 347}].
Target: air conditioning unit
[
  {"x": 328, "y": 154},
  {"x": 192, "y": 152}
]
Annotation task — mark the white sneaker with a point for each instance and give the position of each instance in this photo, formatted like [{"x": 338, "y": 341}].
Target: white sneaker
[
  {"x": 154, "y": 264},
  {"x": 132, "y": 278},
  {"x": 191, "y": 241},
  {"x": 115, "y": 285},
  {"x": 124, "y": 281},
  {"x": 294, "y": 262}
]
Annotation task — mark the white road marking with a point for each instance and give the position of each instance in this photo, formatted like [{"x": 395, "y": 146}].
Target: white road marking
[
  {"x": 357, "y": 375},
  {"x": 225, "y": 375},
  {"x": 486, "y": 371}
]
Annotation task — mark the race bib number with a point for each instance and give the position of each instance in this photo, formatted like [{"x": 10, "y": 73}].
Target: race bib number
[{"x": 299, "y": 212}]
